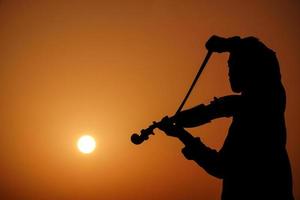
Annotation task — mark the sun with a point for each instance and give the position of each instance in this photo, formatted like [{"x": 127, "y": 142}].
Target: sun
[{"x": 86, "y": 144}]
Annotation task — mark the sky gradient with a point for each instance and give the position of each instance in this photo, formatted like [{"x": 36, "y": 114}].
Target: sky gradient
[{"x": 110, "y": 68}]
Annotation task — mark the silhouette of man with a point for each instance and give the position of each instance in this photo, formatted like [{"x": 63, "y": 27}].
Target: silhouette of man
[{"x": 253, "y": 161}]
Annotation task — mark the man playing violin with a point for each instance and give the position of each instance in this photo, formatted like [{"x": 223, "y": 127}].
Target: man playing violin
[{"x": 253, "y": 162}]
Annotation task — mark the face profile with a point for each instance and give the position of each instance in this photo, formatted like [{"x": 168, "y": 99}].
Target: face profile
[{"x": 235, "y": 75}]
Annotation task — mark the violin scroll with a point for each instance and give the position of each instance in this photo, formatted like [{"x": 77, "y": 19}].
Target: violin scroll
[{"x": 138, "y": 139}]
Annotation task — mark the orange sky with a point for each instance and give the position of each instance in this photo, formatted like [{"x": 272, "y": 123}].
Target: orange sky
[{"x": 110, "y": 68}]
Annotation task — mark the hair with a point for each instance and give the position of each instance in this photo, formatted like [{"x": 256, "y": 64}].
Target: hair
[{"x": 259, "y": 63}]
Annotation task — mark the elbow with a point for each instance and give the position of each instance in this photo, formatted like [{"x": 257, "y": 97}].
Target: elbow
[
  {"x": 216, "y": 173},
  {"x": 213, "y": 169}
]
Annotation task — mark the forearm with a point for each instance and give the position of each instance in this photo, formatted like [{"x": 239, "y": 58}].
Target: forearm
[
  {"x": 205, "y": 157},
  {"x": 185, "y": 137}
]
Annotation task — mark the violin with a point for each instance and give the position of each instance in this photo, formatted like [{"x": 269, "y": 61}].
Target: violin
[{"x": 145, "y": 133}]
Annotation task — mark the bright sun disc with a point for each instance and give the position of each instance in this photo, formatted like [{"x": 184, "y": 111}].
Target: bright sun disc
[{"x": 86, "y": 144}]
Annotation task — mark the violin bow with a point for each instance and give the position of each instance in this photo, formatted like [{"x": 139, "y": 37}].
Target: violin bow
[{"x": 138, "y": 139}]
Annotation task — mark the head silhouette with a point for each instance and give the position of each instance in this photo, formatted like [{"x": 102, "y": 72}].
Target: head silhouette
[{"x": 252, "y": 66}]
